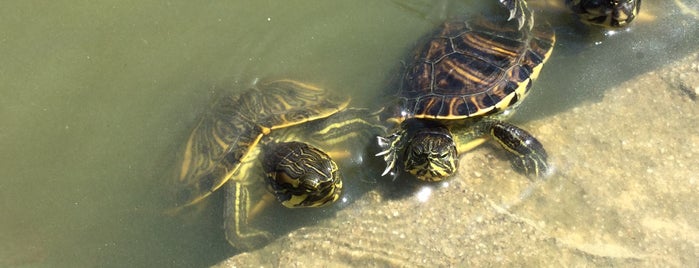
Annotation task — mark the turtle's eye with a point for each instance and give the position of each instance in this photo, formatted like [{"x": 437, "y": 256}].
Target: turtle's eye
[
  {"x": 444, "y": 155},
  {"x": 415, "y": 151}
]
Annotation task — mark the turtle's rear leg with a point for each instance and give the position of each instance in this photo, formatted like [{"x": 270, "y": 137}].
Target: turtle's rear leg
[{"x": 237, "y": 211}]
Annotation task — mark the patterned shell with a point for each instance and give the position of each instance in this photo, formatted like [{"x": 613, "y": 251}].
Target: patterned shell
[
  {"x": 474, "y": 68},
  {"x": 223, "y": 138}
]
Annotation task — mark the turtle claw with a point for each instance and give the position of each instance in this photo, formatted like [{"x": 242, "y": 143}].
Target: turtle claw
[
  {"x": 385, "y": 144},
  {"x": 389, "y": 152},
  {"x": 389, "y": 168},
  {"x": 517, "y": 9}
]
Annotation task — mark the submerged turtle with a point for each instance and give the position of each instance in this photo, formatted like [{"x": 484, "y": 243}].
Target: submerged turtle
[
  {"x": 608, "y": 13},
  {"x": 457, "y": 88},
  {"x": 223, "y": 150}
]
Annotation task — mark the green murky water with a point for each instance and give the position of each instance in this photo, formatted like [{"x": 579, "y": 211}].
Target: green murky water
[{"x": 97, "y": 97}]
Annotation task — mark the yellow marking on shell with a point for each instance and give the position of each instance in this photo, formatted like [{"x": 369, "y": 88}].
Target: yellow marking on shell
[
  {"x": 187, "y": 158},
  {"x": 221, "y": 143},
  {"x": 281, "y": 101},
  {"x": 451, "y": 107},
  {"x": 320, "y": 115},
  {"x": 430, "y": 116},
  {"x": 301, "y": 84},
  {"x": 484, "y": 44},
  {"x": 502, "y": 50},
  {"x": 340, "y": 132},
  {"x": 537, "y": 69},
  {"x": 463, "y": 72},
  {"x": 520, "y": 91},
  {"x": 229, "y": 174},
  {"x": 340, "y": 125},
  {"x": 340, "y": 139},
  {"x": 247, "y": 158},
  {"x": 430, "y": 102}
]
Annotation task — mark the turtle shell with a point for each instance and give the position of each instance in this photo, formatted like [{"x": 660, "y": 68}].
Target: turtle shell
[
  {"x": 225, "y": 137},
  {"x": 473, "y": 68}
]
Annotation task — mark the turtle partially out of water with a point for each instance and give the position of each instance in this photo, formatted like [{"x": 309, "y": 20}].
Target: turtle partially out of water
[
  {"x": 605, "y": 13},
  {"x": 248, "y": 145},
  {"x": 458, "y": 87}
]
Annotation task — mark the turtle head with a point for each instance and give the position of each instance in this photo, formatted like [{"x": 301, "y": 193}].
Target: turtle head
[
  {"x": 300, "y": 175},
  {"x": 431, "y": 154},
  {"x": 606, "y": 13}
]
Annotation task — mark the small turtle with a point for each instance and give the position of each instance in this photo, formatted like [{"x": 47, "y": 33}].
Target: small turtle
[
  {"x": 457, "y": 88},
  {"x": 609, "y": 13},
  {"x": 223, "y": 151}
]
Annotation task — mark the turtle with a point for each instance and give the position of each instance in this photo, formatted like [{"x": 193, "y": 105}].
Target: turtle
[
  {"x": 608, "y": 14},
  {"x": 247, "y": 144},
  {"x": 456, "y": 91}
]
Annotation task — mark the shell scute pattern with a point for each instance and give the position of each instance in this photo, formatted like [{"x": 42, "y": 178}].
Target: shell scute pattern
[{"x": 468, "y": 69}]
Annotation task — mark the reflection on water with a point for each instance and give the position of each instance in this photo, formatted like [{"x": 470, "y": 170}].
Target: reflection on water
[{"x": 98, "y": 97}]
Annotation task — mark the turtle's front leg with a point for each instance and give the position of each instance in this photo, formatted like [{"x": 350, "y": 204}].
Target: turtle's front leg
[
  {"x": 517, "y": 9},
  {"x": 526, "y": 152},
  {"x": 236, "y": 212},
  {"x": 390, "y": 145}
]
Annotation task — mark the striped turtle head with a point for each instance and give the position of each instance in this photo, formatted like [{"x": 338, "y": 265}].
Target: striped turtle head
[
  {"x": 431, "y": 154},
  {"x": 300, "y": 175}
]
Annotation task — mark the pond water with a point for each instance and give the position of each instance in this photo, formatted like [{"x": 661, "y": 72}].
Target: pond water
[{"x": 98, "y": 97}]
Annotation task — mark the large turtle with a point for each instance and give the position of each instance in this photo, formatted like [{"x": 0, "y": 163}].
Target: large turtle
[
  {"x": 247, "y": 144},
  {"x": 458, "y": 87},
  {"x": 605, "y": 13}
]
